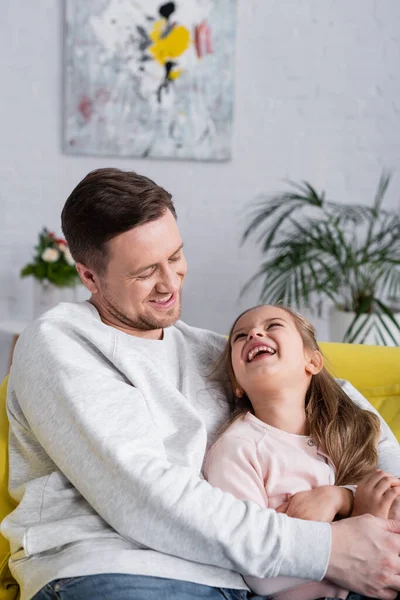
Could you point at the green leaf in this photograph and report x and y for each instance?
(353, 333)
(383, 324)
(28, 270)
(389, 313)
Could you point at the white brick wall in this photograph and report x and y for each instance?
(317, 97)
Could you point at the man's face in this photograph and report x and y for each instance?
(141, 288)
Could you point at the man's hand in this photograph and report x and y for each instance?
(375, 494)
(320, 504)
(365, 556)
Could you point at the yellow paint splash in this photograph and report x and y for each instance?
(171, 46)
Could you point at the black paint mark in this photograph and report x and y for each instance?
(144, 45)
(204, 135)
(167, 9)
(143, 33)
(169, 65)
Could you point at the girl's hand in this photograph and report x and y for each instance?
(376, 494)
(320, 504)
(394, 510)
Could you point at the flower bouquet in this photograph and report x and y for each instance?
(52, 262)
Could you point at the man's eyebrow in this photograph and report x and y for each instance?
(264, 322)
(178, 250)
(147, 267)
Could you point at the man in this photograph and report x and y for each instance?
(110, 417)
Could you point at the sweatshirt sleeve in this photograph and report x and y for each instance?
(233, 466)
(83, 411)
(388, 446)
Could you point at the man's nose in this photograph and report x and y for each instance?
(169, 280)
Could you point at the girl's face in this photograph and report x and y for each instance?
(267, 351)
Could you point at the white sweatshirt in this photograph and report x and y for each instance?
(108, 434)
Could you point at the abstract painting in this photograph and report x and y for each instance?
(146, 78)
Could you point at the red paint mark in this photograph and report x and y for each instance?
(85, 107)
(202, 39)
(103, 95)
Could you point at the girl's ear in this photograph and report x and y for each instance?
(314, 362)
(237, 390)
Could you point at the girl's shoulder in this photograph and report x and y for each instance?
(243, 429)
(236, 445)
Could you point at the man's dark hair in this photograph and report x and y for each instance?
(104, 204)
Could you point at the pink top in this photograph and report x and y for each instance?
(255, 461)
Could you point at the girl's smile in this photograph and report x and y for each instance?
(257, 351)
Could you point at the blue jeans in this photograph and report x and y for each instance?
(353, 596)
(132, 587)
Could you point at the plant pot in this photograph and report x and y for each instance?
(47, 295)
(340, 321)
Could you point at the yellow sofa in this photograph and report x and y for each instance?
(8, 588)
(374, 370)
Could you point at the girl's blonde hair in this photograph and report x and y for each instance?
(347, 433)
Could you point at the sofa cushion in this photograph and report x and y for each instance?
(386, 400)
(374, 371)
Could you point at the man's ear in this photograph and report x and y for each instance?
(88, 278)
(314, 362)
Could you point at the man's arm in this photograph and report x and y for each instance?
(97, 428)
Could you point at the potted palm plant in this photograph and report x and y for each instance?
(315, 250)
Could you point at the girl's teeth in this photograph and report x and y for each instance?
(256, 351)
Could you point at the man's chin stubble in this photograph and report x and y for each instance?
(146, 322)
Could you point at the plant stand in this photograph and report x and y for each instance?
(340, 321)
(47, 295)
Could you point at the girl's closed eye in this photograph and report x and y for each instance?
(238, 336)
(274, 325)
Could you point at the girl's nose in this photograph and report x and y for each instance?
(255, 332)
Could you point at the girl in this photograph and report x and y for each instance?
(294, 429)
